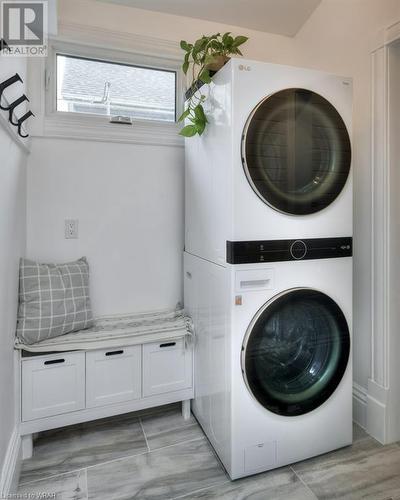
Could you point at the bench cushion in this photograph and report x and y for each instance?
(53, 300)
(119, 331)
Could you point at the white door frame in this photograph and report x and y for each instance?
(383, 396)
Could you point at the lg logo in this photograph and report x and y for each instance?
(24, 26)
(244, 68)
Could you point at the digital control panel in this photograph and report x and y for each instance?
(249, 252)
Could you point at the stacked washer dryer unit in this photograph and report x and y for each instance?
(268, 266)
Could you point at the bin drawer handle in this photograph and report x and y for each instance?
(114, 353)
(54, 361)
(168, 344)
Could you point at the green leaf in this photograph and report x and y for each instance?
(199, 113)
(200, 119)
(229, 41)
(225, 36)
(199, 44)
(188, 131)
(184, 115)
(239, 40)
(217, 46)
(184, 45)
(185, 65)
(200, 126)
(205, 76)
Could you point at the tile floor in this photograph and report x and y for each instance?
(155, 454)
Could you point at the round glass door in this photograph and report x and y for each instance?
(296, 152)
(295, 352)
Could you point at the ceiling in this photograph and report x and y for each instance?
(283, 17)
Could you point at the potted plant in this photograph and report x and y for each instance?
(206, 55)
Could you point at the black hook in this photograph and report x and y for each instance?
(21, 121)
(10, 108)
(5, 84)
(13, 105)
(3, 44)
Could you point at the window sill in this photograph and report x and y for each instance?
(92, 128)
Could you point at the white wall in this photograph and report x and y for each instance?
(169, 27)
(128, 199)
(338, 38)
(12, 247)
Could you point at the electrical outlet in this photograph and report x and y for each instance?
(71, 228)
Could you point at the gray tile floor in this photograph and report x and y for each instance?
(158, 455)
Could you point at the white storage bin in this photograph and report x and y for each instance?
(53, 384)
(167, 367)
(113, 376)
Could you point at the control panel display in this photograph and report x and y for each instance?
(249, 252)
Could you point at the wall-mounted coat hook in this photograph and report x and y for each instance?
(3, 44)
(5, 84)
(21, 121)
(13, 105)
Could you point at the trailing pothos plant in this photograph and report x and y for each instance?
(207, 54)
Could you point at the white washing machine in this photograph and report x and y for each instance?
(273, 366)
(274, 161)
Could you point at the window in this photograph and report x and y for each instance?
(86, 84)
(108, 88)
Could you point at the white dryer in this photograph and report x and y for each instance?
(273, 366)
(274, 161)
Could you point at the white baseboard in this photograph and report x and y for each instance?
(11, 467)
(383, 413)
(360, 405)
(377, 412)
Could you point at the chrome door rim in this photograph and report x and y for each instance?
(249, 330)
(244, 156)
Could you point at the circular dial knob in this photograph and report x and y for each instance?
(298, 249)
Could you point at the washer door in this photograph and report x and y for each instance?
(296, 152)
(295, 352)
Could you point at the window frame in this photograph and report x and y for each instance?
(92, 126)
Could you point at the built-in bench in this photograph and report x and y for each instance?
(122, 364)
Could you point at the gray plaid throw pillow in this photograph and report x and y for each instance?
(53, 300)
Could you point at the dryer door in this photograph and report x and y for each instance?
(295, 352)
(296, 152)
